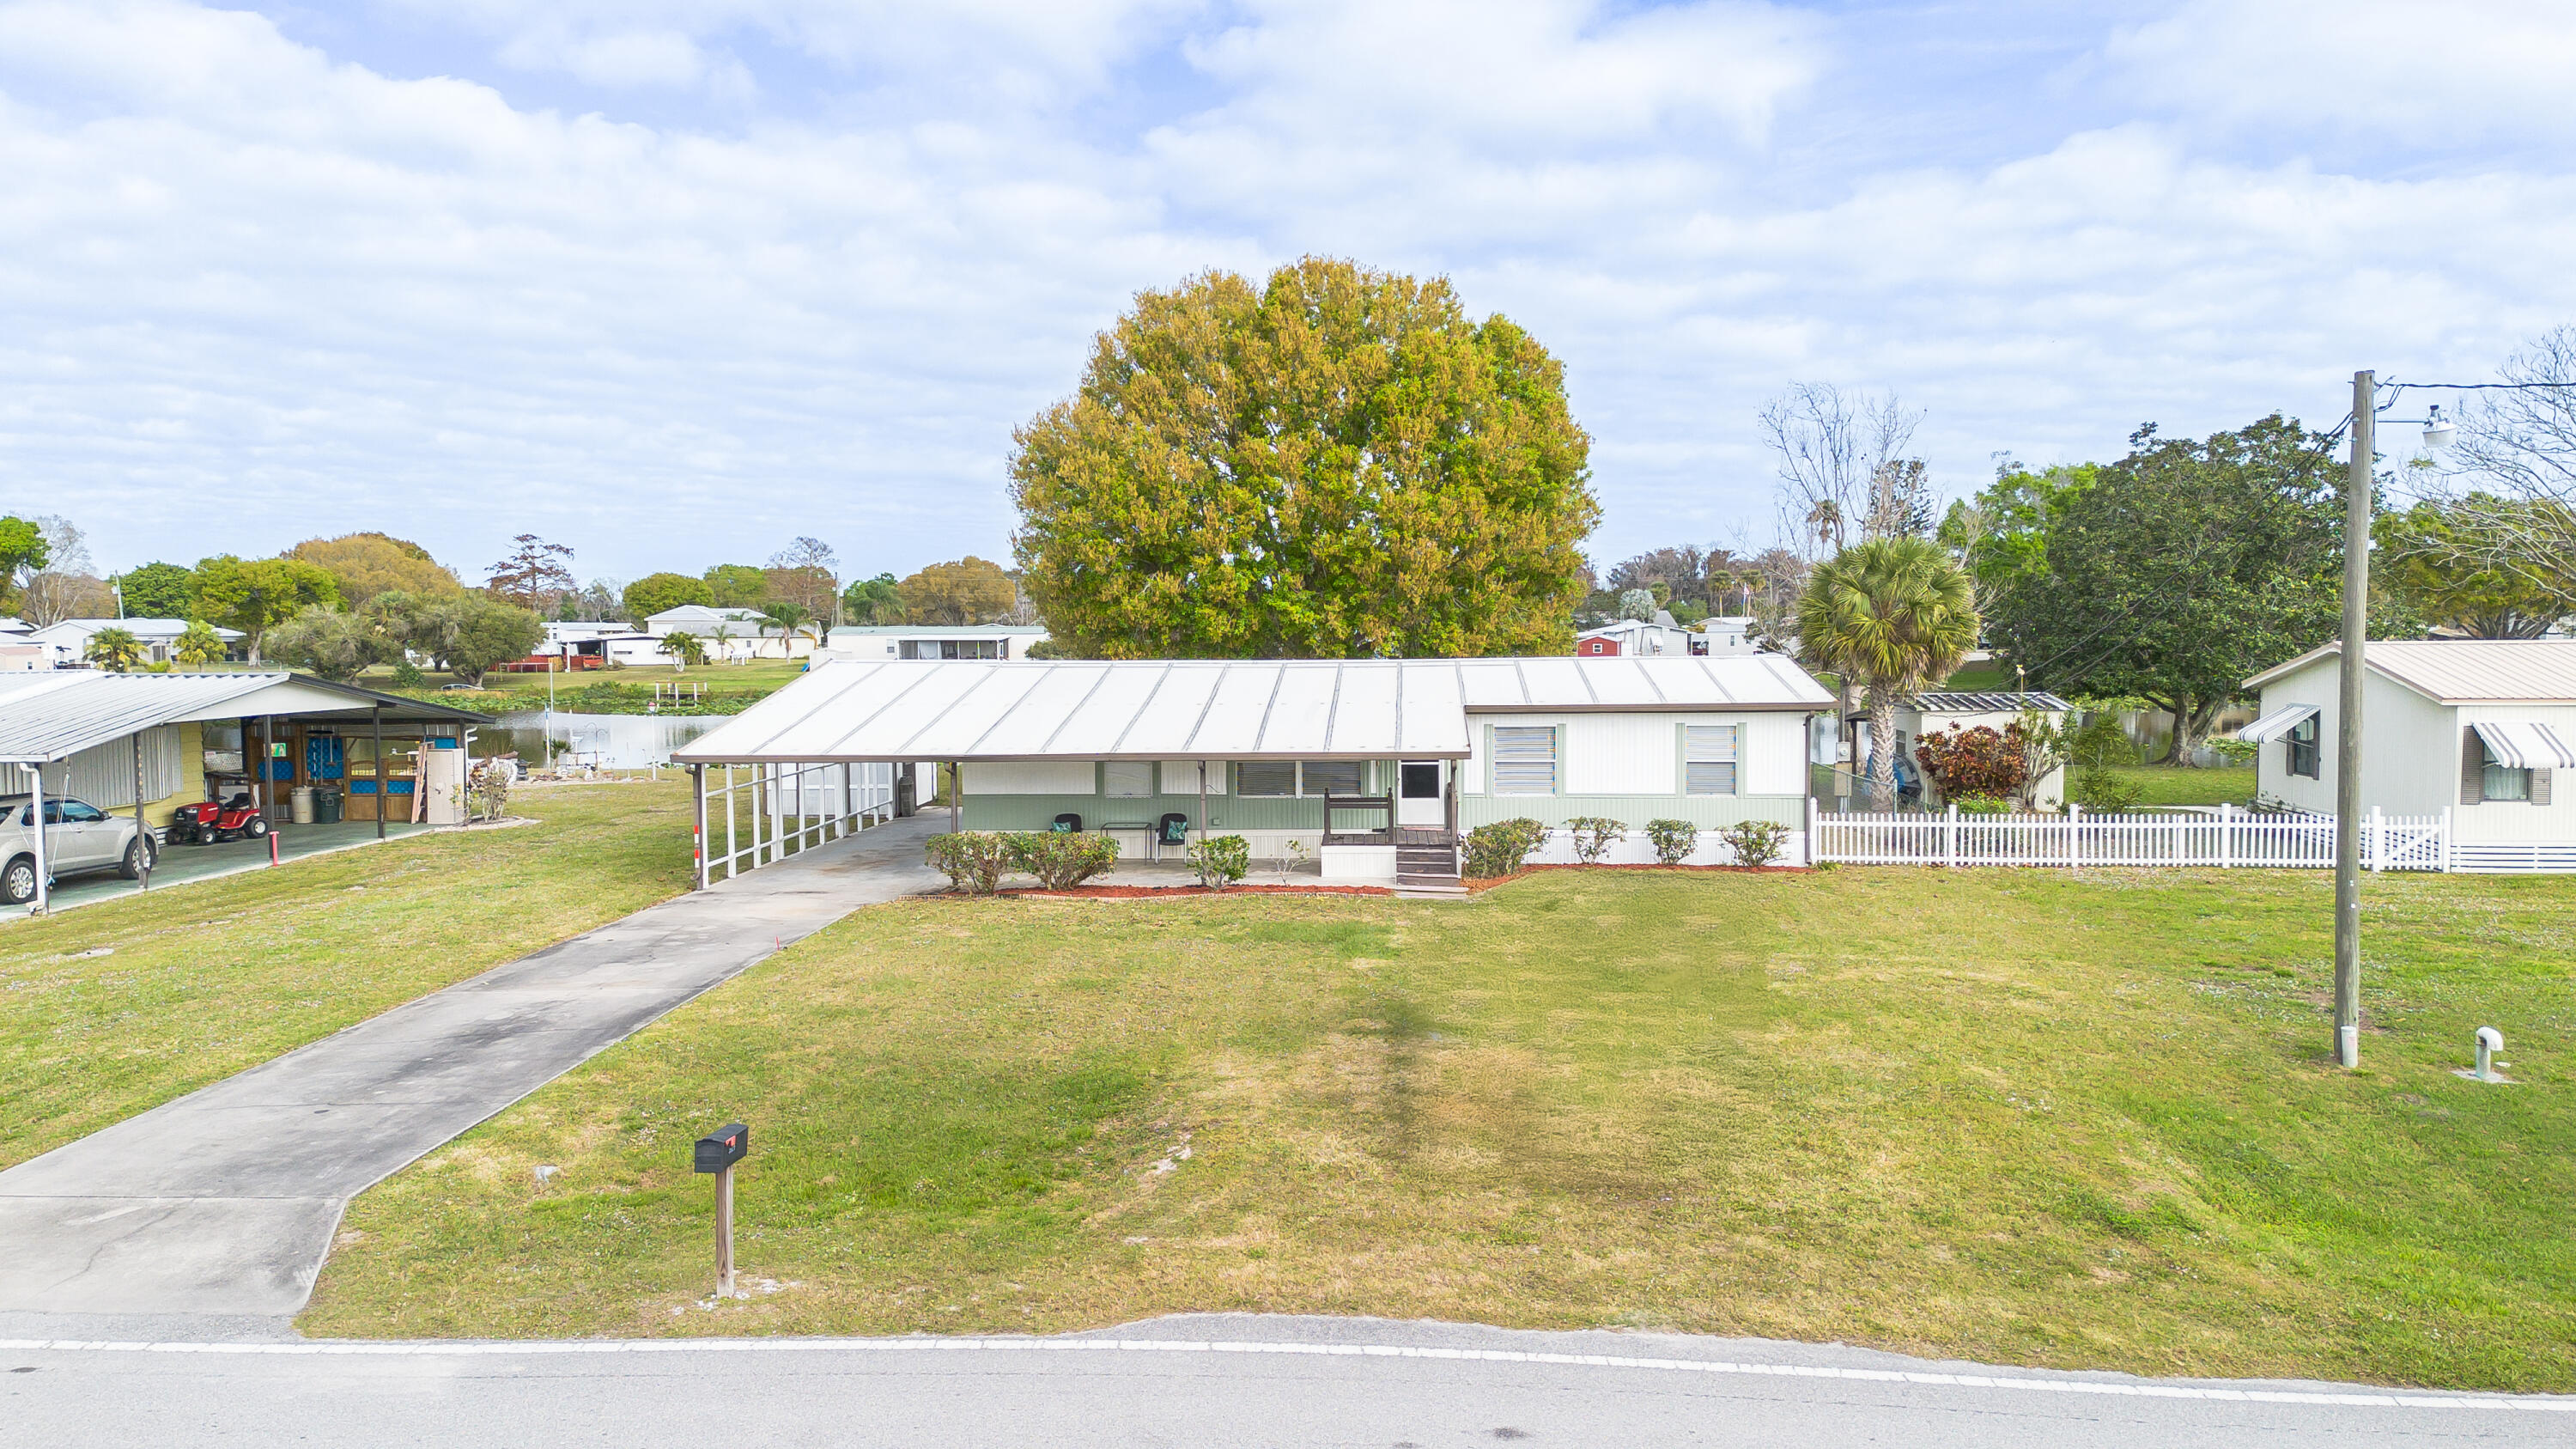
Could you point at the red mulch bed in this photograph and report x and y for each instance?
(1141, 893)
(1486, 883)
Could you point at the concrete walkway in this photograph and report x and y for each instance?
(225, 1201)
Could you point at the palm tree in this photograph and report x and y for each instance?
(115, 649)
(199, 644)
(1896, 614)
(684, 648)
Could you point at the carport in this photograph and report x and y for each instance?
(117, 740)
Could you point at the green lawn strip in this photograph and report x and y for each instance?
(207, 979)
(2173, 785)
(2026, 1117)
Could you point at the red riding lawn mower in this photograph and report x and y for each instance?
(206, 822)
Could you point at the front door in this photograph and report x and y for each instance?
(1417, 795)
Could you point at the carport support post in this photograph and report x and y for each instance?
(376, 723)
(698, 839)
(36, 812)
(146, 858)
(956, 797)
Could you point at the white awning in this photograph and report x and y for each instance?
(2278, 723)
(2525, 745)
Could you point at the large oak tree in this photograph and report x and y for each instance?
(1340, 463)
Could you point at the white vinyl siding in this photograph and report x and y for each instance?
(1127, 779)
(1525, 760)
(1709, 759)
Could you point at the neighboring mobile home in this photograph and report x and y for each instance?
(1349, 758)
(937, 641)
(2475, 727)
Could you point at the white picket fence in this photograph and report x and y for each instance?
(2228, 839)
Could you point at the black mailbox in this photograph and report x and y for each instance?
(724, 1147)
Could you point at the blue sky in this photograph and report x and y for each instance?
(674, 281)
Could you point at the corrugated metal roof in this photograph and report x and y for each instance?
(51, 714)
(2462, 671)
(974, 709)
(1954, 701)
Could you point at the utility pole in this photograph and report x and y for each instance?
(2356, 610)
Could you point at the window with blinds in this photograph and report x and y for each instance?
(1708, 759)
(1524, 759)
(1331, 777)
(1127, 779)
(1266, 777)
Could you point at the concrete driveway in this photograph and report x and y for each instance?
(224, 1201)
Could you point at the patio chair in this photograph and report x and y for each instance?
(1067, 823)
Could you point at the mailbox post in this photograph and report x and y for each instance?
(717, 1153)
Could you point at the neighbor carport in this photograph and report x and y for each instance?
(116, 740)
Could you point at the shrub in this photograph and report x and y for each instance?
(2105, 793)
(1063, 859)
(1979, 761)
(1983, 805)
(2234, 751)
(1222, 861)
(973, 860)
(1757, 843)
(1674, 839)
(1594, 835)
(407, 675)
(1502, 847)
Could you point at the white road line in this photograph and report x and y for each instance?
(2122, 1389)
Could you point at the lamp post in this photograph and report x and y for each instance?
(2358, 482)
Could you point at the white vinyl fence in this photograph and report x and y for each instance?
(2227, 839)
(755, 815)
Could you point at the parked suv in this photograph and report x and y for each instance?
(79, 838)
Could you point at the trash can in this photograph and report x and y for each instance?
(327, 805)
(299, 802)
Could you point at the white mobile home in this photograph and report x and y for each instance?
(1354, 759)
(2476, 728)
(936, 641)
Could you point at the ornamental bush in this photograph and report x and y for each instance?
(1594, 835)
(1502, 847)
(1757, 843)
(1063, 859)
(1980, 761)
(1983, 805)
(973, 860)
(1674, 839)
(1222, 861)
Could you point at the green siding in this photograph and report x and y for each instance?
(1708, 812)
(1225, 812)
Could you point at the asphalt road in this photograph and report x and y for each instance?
(1196, 1381)
(225, 1200)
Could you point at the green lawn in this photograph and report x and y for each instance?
(729, 688)
(207, 979)
(2171, 785)
(2016, 1116)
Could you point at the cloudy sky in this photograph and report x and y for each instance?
(673, 281)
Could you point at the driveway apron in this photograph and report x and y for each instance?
(225, 1200)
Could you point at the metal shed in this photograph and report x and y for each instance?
(71, 725)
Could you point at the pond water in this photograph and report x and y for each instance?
(611, 741)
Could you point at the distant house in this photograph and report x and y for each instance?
(2474, 728)
(730, 635)
(69, 640)
(1658, 637)
(1727, 635)
(936, 641)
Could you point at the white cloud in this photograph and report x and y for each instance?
(248, 294)
(2464, 70)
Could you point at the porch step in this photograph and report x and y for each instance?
(1429, 888)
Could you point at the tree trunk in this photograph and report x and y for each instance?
(2189, 736)
(2180, 708)
(1882, 749)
